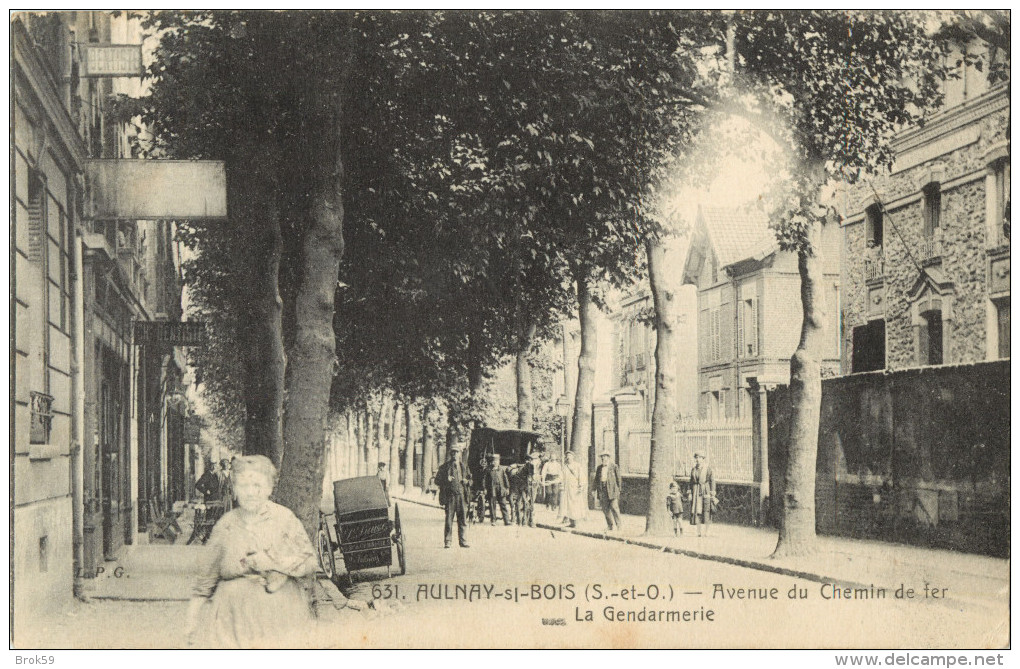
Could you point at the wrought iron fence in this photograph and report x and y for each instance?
(725, 443)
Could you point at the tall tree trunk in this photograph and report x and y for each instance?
(580, 437)
(364, 433)
(525, 403)
(661, 465)
(359, 439)
(350, 452)
(428, 446)
(408, 446)
(464, 422)
(394, 455)
(254, 201)
(314, 350)
(376, 431)
(797, 526)
(475, 369)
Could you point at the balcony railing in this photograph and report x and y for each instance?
(42, 417)
(929, 248)
(874, 269)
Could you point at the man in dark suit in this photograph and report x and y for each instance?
(497, 488)
(208, 484)
(450, 480)
(607, 485)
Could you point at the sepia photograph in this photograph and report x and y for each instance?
(511, 329)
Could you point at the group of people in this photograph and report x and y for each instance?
(214, 484)
(570, 505)
(563, 489)
(508, 492)
(701, 498)
(217, 498)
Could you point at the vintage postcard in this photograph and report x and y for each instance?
(511, 329)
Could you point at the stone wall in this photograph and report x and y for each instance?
(919, 456)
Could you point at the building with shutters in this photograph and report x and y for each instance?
(749, 309)
(48, 156)
(98, 423)
(926, 247)
(633, 353)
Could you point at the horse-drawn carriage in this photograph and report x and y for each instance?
(360, 529)
(517, 451)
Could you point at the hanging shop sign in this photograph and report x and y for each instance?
(149, 190)
(188, 333)
(112, 60)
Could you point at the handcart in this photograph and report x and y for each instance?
(360, 529)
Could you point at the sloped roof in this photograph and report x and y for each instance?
(737, 234)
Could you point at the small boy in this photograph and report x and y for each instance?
(675, 504)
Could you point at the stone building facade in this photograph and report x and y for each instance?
(926, 247)
(90, 408)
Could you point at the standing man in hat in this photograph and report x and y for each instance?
(702, 493)
(383, 472)
(208, 484)
(497, 487)
(450, 480)
(607, 484)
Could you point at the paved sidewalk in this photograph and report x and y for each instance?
(163, 572)
(970, 580)
(157, 571)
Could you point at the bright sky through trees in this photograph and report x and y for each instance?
(742, 165)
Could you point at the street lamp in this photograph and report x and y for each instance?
(563, 411)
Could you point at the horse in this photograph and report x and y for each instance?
(523, 487)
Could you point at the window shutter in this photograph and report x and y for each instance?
(752, 336)
(718, 334)
(36, 218)
(741, 326)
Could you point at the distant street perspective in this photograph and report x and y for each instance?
(563, 589)
(510, 329)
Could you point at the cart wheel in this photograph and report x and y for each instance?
(325, 549)
(398, 540)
